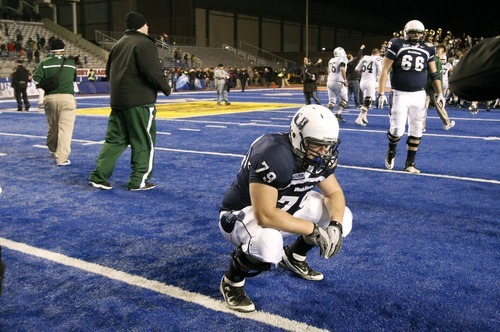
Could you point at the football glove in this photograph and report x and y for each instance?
(440, 100)
(321, 239)
(381, 100)
(334, 231)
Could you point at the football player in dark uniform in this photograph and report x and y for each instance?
(273, 197)
(410, 58)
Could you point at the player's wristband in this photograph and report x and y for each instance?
(336, 223)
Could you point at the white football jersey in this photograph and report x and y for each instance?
(334, 73)
(370, 67)
(445, 69)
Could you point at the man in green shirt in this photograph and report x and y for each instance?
(59, 104)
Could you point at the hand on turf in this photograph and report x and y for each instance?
(321, 239)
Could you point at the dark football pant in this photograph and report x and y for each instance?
(21, 96)
(136, 127)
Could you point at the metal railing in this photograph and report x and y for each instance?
(266, 57)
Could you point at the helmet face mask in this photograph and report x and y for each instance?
(414, 32)
(319, 155)
(314, 135)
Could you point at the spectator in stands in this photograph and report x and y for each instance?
(4, 52)
(29, 55)
(11, 48)
(175, 75)
(19, 36)
(201, 76)
(77, 61)
(192, 59)
(283, 78)
(20, 79)
(18, 49)
(256, 78)
(250, 76)
(36, 54)
(266, 77)
(30, 43)
(192, 78)
(135, 79)
(243, 77)
(210, 75)
(41, 43)
(91, 76)
(177, 57)
(59, 103)
(164, 38)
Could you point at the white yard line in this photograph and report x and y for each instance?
(156, 286)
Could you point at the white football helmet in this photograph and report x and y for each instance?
(414, 26)
(339, 52)
(315, 125)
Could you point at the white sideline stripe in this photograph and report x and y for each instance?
(212, 126)
(156, 286)
(443, 176)
(486, 138)
(202, 152)
(189, 129)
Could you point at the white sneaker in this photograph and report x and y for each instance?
(389, 160)
(65, 163)
(473, 109)
(236, 298)
(410, 168)
(449, 126)
(365, 118)
(359, 121)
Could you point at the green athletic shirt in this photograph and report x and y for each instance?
(48, 68)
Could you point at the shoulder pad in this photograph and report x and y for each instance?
(429, 44)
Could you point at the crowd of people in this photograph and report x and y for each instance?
(241, 78)
(14, 46)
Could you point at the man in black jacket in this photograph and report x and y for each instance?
(20, 78)
(135, 78)
(311, 76)
(353, 78)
